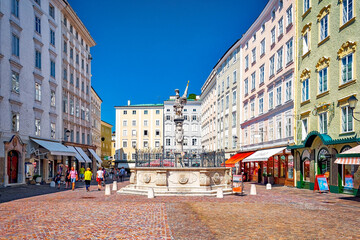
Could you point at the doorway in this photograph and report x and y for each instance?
(12, 166)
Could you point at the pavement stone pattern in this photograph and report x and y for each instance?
(280, 213)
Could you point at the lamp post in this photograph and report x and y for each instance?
(352, 105)
(67, 134)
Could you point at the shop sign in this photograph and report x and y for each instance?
(321, 183)
(238, 184)
(282, 157)
(349, 182)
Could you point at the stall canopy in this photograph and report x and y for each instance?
(77, 156)
(95, 156)
(237, 158)
(55, 148)
(263, 155)
(83, 154)
(351, 156)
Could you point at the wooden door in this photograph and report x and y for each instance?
(12, 166)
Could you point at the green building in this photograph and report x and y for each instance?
(328, 33)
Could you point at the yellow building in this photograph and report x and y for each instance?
(105, 140)
(137, 127)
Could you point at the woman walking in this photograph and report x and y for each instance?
(88, 175)
(99, 177)
(73, 176)
(67, 177)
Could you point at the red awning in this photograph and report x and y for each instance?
(237, 158)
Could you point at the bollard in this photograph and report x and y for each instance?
(220, 193)
(114, 188)
(107, 189)
(151, 193)
(268, 186)
(253, 189)
(52, 184)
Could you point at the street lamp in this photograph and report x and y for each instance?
(67, 134)
(352, 105)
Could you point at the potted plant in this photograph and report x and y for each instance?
(270, 179)
(37, 179)
(264, 178)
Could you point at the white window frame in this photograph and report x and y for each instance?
(345, 68)
(262, 47)
(280, 59)
(289, 16)
(305, 91)
(38, 92)
(272, 66)
(323, 123)
(289, 51)
(347, 122)
(323, 80)
(347, 12)
(262, 74)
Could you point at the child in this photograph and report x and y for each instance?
(58, 179)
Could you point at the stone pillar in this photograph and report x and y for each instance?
(161, 178)
(133, 176)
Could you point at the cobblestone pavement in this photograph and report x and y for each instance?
(280, 213)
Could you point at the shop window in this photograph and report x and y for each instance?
(290, 169)
(276, 166)
(306, 170)
(324, 161)
(282, 167)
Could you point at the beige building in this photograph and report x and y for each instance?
(96, 120)
(105, 140)
(137, 126)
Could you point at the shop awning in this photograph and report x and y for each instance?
(95, 156)
(83, 154)
(55, 148)
(351, 156)
(77, 156)
(237, 158)
(263, 155)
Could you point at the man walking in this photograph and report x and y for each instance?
(122, 174)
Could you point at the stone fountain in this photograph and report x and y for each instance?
(179, 179)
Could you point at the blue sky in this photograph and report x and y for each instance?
(147, 48)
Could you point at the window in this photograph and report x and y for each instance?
(278, 96)
(87, 89)
(346, 119)
(281, 3)
(194, 142)
(65, 47)
(15, 8)
(15, 122)
(289, 51)
(289, 15)
(261, 105)
(38, 2)
(71, 28)
(52, 99)
(305, 43)
(273, 35)
(273, 14)
(77, 109)
(157, 132)
(52, 68)
(77, 82)
(82, 86)
(253, 55)
(288, 127)
(71, 78)
(346, 68)
(38, 24)
(52, 37)
(305, 90)
(323, 80)
(280, 59)
(37, 59)
(15, 46)
(37, 92)
(234, 98)
(71, 106)
(168, 142)
(272, 66)
(323, 122)
(124, 133)
(227, 82)
(254, 37)
(146, 123)
(168, 118)
(145, 132)
(271, 100)
(279, 130)
(52, 130)
(133, 133)
(71, 53)
(52, 11)
(347, 10)
(134, 112)
(234, 77)
(193, 117)
(324, 27)
(222, 86)
(77, 59)
(133, 123)
(124, 144)
(263, 27)
(247, 62)
(65, 104)
(65, 74)
(306, 5)
(271, 130)
(82, 63)
(15, 82)
(281, 27)
(125, 123)
(233, 119)
(245, 112)
(261, 74)
(87, 68)
(304, 130)
(246, 86)
(288, 90)
(37, 127)
(125, 112)
(133, 144)
(157, 112)
(83, 138)
(262, 47)
(157, 144)
(253, 76)
(252, 108)
(227, 102)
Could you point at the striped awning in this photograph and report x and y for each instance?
(348, 160)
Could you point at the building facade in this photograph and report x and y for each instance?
(96, 121)
(208, 113)
(137, 127)
(326, 79)
(106, 140)
(191, 126)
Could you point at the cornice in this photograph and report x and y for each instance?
(346, 48)
(305, 74)
(306, 28)
(322, 63)
(323, 12)
(15, 102)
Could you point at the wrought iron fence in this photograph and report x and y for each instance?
(147, 158)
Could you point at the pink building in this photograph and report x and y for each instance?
(267, 75)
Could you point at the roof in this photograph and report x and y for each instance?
(142, 105)
(96, 93)
(237, 158)
(103, 122)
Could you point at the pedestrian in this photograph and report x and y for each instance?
(57, 179)
(117, 174)
(122, 174)
(88, 175)
(67, 177)
(81, 172)
(104, 174)
(99, 177)
(73, 177)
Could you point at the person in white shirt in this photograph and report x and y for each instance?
(99, 177)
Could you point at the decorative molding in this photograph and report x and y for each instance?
(343, 100)
(306, 28)
(15, 64)
(346, 48)
(323, 62)
(52, 53)
(15, 25)
(323, 12)
(305, 74)
(52, 23)
(52, 114)
(38, 76)
(53, 84)
(38, 110)
(15, 102)
(305, 114)
(38, 42)
(38, 10)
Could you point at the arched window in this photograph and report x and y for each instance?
(324, 161)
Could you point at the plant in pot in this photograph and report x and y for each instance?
(271, 179)
(265, 178)
(37, 179)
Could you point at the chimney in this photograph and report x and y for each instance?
(128, 102)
